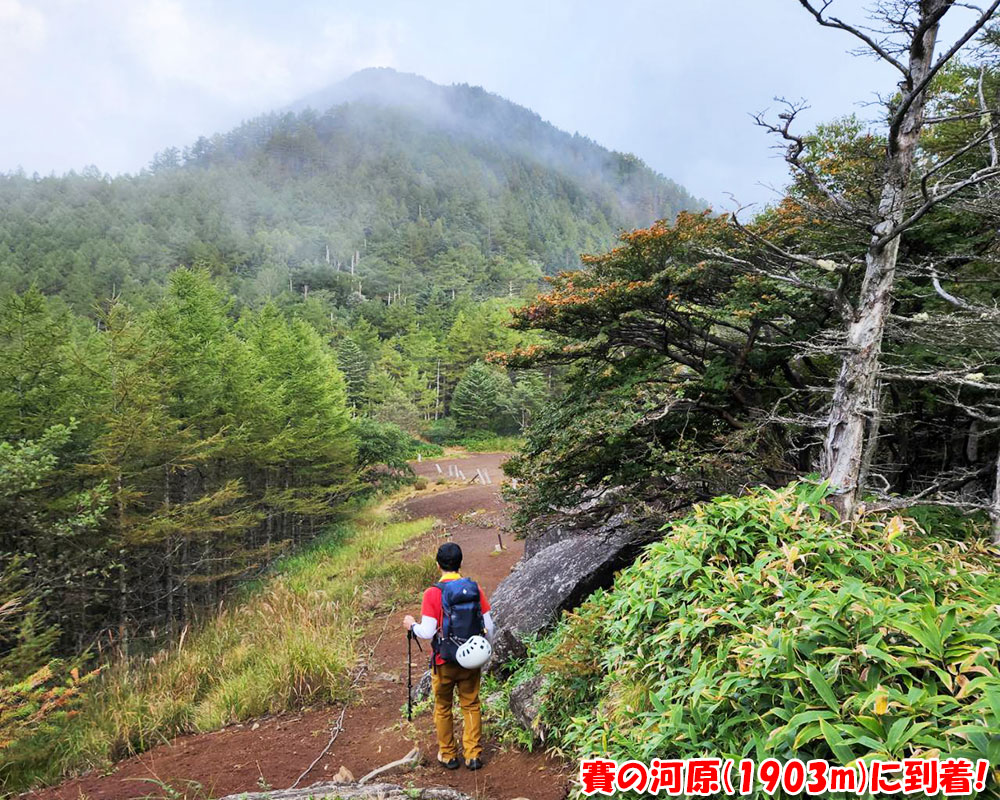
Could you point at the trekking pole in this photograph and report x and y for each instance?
(409, 676)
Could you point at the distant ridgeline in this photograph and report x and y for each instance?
(394, 186)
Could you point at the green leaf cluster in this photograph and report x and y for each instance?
(760, 626)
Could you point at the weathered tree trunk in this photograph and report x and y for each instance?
(852, 414)
(269, 520)
(188, 490)
(123, 594)
(437, 390)
(169, 577)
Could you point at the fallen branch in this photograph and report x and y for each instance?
(352, 791)
(333, 737)
(410, 758)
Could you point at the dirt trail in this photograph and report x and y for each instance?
(274, 751)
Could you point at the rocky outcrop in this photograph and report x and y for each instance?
(566, 559)
(352, 791)
(422, 688)
(525, 704)
(594, 515)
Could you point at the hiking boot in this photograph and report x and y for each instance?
(453, 764)
(474, 764)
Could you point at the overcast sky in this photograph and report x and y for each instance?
(110, 82)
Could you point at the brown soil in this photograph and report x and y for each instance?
(273, 752)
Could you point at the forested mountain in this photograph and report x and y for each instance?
(200, 364)
(393, 185)
(474, 113)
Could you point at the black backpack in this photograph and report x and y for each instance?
(461, 617)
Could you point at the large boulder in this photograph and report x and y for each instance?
(595, 514)
(352, 791)
(564, 562)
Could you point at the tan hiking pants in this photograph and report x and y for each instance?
(445, 678)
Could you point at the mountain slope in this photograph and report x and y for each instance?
(421, 186)
(482, 115)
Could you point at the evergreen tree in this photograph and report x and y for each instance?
(531, 392)
(51, 546)
(39, 382)
(482, 400)
(352, 362)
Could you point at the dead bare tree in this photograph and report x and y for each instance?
(905, 35)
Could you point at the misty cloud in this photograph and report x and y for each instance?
(110, 82)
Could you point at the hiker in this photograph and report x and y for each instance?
(455, 615)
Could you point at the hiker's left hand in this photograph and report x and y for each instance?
(408, 622)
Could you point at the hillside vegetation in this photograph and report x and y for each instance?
(763, 627)
(369, 198)
(290, 641)
(206, 366)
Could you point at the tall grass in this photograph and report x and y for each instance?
(290, 641)
(489, 443)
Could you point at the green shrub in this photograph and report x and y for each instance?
(382, 444)
(384, 450)
(441, 431)
(420, 484)
(761, 627)
(489, 443)
(426, 449)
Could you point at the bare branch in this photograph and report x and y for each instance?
(983, 311)
(796, 147)
(943, 377)
(980, 176)
(983, 136)
(957, 117)
(834, 22)
(984, 108)
(959, 43)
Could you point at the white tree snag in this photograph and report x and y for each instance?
(854, 395)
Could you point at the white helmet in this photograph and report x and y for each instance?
(474, 653)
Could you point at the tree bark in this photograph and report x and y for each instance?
(852, 414)
(168, 545)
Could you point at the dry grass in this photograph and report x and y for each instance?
(291, 642)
